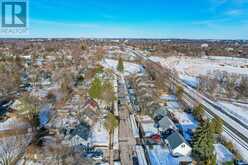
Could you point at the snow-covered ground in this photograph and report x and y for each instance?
(168, 97)
(156, 59)
(173, 105)
(129, 68)
(13, 123)
(189, 68)
(190, 80)
(186, 120)
(100, 136)
(171, 101)
(239, 111)
(222, 154)
(243, 151)
(141, 155)
(187, 123)
(160, 156)
(195, 66)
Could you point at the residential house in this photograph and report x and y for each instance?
(177, 145)
(165, 124)
(147, 126)
(77, 140)
(90, 111)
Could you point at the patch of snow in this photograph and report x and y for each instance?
(173, 105)
(184, 118)
(156, 59)
(243, 151)
(236, 110)
(159, 155)
(187, 123)
(13, 123)
(129, 68)
(222, 153)
(190, 80)
(141, 155)
(100, 136)
(195, 66)
(168, 97)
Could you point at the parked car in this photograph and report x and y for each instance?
(240, 162)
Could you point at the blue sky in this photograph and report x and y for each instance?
(210, 19)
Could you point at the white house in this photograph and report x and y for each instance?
(177, 145)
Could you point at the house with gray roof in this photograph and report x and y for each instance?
(165, 123)
(177, 145)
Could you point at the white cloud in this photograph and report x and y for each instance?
(234, 12)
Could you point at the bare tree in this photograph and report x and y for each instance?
(11, 148)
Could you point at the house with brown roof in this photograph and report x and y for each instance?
(90, 111)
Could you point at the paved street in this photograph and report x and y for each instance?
(126, 139)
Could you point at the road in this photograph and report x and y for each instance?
(126, 140)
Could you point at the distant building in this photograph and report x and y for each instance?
(177, 145)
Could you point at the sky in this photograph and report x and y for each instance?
(192, 19)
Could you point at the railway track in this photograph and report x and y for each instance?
(229, 129)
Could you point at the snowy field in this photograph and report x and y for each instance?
(129, 68)
(193, 66)
(189, 68)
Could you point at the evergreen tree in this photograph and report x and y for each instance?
(211, 161)
(95, 90)
(203, 141)
(110, 123)
(217, 124)
(120, 66)
(198, 112)
(179, 92)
